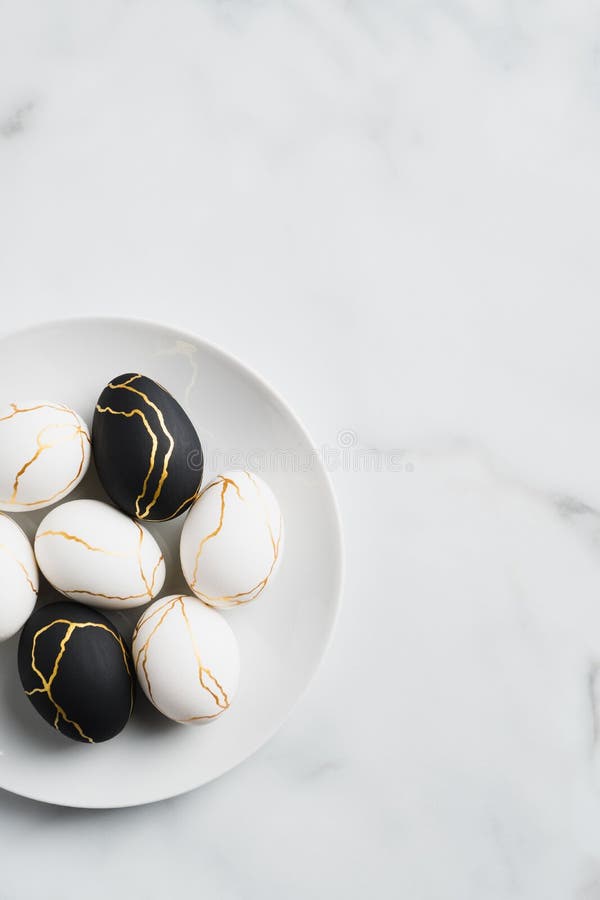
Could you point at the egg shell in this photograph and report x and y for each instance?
(44, 454)
(147, 452)
(92, 553)
(18, 577)
(232, 540)
(77, 672)
(187, 659)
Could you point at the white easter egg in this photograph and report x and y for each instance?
(18, 578)
(232, 540)
(44, 454)
(187, 659)
(93, 553)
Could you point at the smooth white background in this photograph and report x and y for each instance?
(389, 209)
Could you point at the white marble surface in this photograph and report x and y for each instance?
(390, 210)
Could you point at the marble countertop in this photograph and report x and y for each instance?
(390, 211)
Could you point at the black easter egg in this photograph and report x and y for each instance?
(77, 672)
(148, 455)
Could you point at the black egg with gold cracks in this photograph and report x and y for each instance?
(76, 670)
(147, 452)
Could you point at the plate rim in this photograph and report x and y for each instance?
(248, 370)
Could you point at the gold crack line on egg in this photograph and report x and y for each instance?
(168, 607)
(211, 534)
(78, 540)
(47, 683)
(220, 479)
(82, 433)
(165, 609)
(139, 558)
(77, 431)
(148, 585)
(64, 489)
(253, 592)
(263, 503)
(100, 625)
(233, 599)
(198, 718)
(16, 411)
(201, 668)
(155, 573)
(41, 446)
(274, 543)
(10, 553)
(73, 537)
(69, 591)
(191, 499)
(146, 616)
(164, 475)
(153, 439)
(225, 482)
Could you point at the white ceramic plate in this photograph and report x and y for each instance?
(283, 635)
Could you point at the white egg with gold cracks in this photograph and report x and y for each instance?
(187, 659)
(18, 578)
(232, 540)
(91, 552)
(44, 454)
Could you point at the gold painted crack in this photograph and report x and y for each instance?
(74, 537)
(70, 591)
(225, 483)
(16, 411)
(42, 446)
(217, 692)
(253, 592)
(21, 565)
(46, 686)
(149, 586)
(127, 386)
(153, 439)
(191, 499)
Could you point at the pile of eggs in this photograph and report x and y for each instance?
(76, 668)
